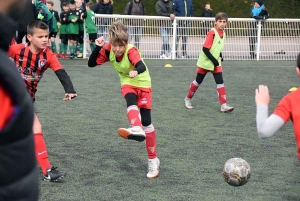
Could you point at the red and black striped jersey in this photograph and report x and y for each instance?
(31, 66)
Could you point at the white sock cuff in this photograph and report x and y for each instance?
(220, 85)
(148, 129)
(132, 107)
(195, 83)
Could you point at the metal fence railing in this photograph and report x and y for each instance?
(246, 38)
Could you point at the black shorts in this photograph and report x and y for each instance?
(53, 34)
(93, 37)
(72, 36)
(81, 33)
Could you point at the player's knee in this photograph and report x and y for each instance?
(131, 99)
(37, 128)
(218, 78)
(199, 78)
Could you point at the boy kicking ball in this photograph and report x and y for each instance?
(135, 87)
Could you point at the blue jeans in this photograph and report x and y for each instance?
(165, 34)
(102, 31)
(136, 33)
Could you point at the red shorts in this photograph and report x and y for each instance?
(144, 96)
(217, 69)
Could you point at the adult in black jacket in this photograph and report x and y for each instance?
(207, 12)
(25, 18)
(103, 7)
(18, 172)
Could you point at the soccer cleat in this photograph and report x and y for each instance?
(134, 133)
(80, 55)
(53, 175)
(153, 167)
(163, 56)
(226, 108)
(66, 56)
(188, 103)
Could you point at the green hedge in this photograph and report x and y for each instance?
(234, 8)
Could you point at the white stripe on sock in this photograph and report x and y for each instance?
(148, 129)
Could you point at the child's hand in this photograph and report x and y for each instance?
(262, 95)
(64, 19)
(100, 41)
(69, 96)
(133, 73)
(74, 20)
(58, 24)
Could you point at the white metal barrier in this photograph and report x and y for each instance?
(246, 38)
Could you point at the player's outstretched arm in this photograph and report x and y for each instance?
(93, 57)
(65, 80)
(266, 125)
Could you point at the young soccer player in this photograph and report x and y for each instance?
(136, 88)
(73, 28)
(210, 61)
(90, 25)
(81, 29)
(32, 60)
(55, 25)
(63, 31)
(287, 109)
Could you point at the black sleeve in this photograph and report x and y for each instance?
(221, 56)
(140, 67)
(93, 57)
(65, 81)
(84, 15)
(210, 56)
(62, 17)
(56, 16)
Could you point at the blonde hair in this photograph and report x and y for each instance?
(118, 34)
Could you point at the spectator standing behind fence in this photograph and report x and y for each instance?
(103, 7)
(165, 8)
(258, 12)
(183, 8)
(135, 26)
(207, 12)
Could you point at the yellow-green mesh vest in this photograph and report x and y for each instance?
(124, 67)
(215, 50)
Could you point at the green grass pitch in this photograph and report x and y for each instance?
(193, 145)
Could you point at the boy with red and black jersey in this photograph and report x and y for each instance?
(32, 60)
(287, 109)
(210, 61)
(135, 87)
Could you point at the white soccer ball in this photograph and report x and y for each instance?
(236, 171)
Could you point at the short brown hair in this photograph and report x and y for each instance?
(221, 16)
(89, 4)
(50, 2)
(118, 33)
(36, 24)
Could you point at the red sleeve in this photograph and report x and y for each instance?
(102, 58)
(134, 56)
(54, 64)
(12, 51)
(6, 109)
(284, 109)
(209, 39)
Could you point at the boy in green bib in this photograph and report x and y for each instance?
(135, 87)
(210, 61)
(73, 28)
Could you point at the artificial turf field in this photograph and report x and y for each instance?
(193, 145)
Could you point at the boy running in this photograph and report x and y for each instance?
(136, 88)
(210, 61)
(32, 60)
(55, 25)
(287, 109)
(90, 25)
